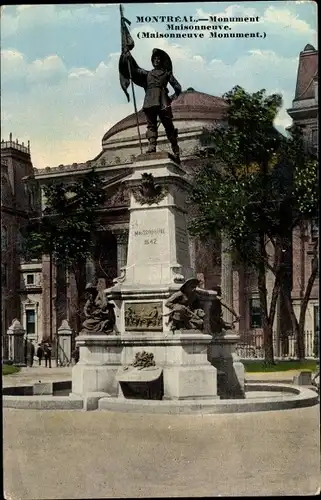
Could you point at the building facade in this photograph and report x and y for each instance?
(20, 285)
(46, 298)
(304, 112)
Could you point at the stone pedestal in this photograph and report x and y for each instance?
(64, 343)
(187, 374)
(222, 350)
(158, 245)
(16, 343)
(99, 360)
(230, 370)
(158, 263)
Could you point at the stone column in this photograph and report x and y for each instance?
(64, 343)
(16, 335)
(122, 244)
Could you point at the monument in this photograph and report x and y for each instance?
(158, 308)
(151, 334)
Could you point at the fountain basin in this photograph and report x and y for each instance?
(258, 397)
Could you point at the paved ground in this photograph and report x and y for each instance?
(66, 455)
(29, 375)
(108, 454)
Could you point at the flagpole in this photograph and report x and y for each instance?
(135, 107)
(131, 81)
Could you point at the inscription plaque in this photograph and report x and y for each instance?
(144, 316)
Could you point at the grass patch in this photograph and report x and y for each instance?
(280, 366)
(10, 369)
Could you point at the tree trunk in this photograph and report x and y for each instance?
(80, 277)
(294, 321)
(267, 326)
(50, 295)
(304, 305)
(298, 326)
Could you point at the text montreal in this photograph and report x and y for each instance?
(165, 19)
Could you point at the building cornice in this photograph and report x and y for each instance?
(303, 113)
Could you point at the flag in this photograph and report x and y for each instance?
(127, 44)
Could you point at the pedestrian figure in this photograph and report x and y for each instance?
(47, 353)
(75, 355)
(31, 353)
(40, 353)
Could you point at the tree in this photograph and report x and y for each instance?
(249, 185)
(66, 229)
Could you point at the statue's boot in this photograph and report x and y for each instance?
(151, 147)
(175, 146)
(152, 139)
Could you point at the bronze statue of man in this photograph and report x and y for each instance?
(185, 308)
(157, 103)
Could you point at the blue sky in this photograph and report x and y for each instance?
(59, 66)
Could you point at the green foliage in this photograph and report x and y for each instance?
(10, 369)
(280, 366)
(68, 222)
(252, 179)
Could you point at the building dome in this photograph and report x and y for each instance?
(190, 106)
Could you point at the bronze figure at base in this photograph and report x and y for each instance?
(216, 314)
(99, 312)
(186, 312)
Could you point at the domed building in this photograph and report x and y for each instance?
(192, 112)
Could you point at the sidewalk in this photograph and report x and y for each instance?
(30, 375)
(284, 376)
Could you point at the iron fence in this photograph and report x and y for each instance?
(251, 345)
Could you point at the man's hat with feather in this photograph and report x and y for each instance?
(166, 60)
(192, 282)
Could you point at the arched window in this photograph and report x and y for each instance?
(4, 238)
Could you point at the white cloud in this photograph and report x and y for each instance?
(46, 69)
(230, 11)
(286, 19)
(15, 68)
(29, 17)
(80, 73)
(274, 20)
(11, 55)
(12, 65)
